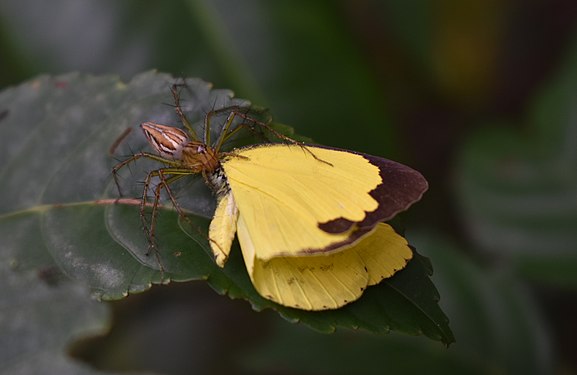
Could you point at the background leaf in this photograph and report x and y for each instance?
(41, 315)
(517, 186)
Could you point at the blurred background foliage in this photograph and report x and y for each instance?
(480, 96)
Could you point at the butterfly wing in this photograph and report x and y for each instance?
(308, 221)
(223, 228)
(326, 281)
(303, 200)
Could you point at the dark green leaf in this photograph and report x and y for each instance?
(60, 208)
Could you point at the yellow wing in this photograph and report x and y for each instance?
(223, 228)
(325, 281)
(284, 194)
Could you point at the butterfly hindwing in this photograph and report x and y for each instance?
(326, 281)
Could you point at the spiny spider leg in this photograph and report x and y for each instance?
(178, 109)
(118, 141)
(244, 113)
(173, 164)
(215, 112)
(139, 155)
(164, 183)
(227, 133)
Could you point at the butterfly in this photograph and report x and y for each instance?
(309, 218)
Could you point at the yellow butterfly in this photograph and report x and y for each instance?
(309, 219)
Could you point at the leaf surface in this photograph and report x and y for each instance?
(60, 207)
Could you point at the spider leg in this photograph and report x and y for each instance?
(178, 109)
(118, 141)
(248, 121)
(139, 155)
(164, 183)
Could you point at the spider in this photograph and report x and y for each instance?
(184, 153)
